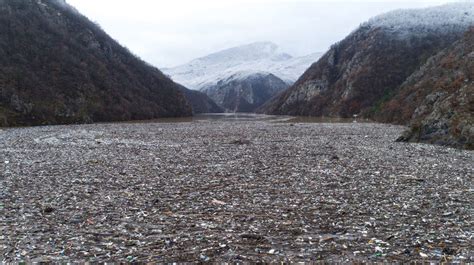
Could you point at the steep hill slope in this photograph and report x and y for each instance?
(200, 102)
(367, 68)
(439, 99)
(56, 66)
(245, 92)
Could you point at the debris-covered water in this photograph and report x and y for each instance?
(232, 190)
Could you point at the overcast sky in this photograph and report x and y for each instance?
(167, 33)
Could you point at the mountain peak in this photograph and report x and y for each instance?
(244, 53)
(250, 58)
(264, 46)
(261, 44)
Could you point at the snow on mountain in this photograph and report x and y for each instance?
(369, 66)
(240, 62)
(449, 17)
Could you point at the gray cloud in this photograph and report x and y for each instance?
(169, 33)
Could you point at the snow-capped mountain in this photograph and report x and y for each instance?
(242, 61)
(245, 92)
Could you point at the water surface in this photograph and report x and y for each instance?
(241, 117)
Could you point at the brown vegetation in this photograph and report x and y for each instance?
(439, 98)
(376, 75)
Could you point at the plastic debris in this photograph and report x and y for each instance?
(180, 192)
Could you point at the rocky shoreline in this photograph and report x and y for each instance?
(227, 191)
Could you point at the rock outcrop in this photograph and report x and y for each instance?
(439, 99)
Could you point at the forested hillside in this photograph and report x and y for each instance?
(57, 67)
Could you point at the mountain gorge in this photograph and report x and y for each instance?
(410, 67)
(242, 78)
(360, 74)
(58, 67)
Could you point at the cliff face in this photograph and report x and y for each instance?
(245, 93)
(57, 67)
(439, 99)
(367, 68)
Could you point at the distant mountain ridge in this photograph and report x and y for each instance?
(241, 79)
(260, 57)
(58, 67)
